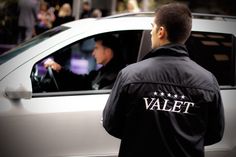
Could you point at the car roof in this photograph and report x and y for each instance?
(201, 22)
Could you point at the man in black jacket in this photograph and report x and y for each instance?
(106, 53)
(166, 105)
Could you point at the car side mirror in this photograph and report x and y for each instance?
(19, 92)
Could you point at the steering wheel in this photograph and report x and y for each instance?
(51, 75)
(44, 82)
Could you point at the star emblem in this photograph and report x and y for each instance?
(169, 95)
(162, 94)
(155, 93)
(176, 96)
(182, 97)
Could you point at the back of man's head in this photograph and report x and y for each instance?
(177, 20)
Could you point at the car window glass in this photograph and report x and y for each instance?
(213, 51)
(77, 58)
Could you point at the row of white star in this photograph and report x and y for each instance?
(169, 95)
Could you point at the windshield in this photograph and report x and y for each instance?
(28, 44)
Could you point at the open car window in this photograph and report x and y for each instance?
(78, 60)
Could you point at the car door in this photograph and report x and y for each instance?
(215, 52)
(60, 123)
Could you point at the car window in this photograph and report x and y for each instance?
(78, 60)
(213, 51)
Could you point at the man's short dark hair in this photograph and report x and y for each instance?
(108, 40)
(177, 19)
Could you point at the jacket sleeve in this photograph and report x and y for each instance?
(216, 120)
(113, 113)
(69, 81)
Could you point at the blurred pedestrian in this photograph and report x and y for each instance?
(165, 105)
(28, 10)
(64, 15)
(121, 7)
(86, 10)
(45, 18)
(132, 6)
(97, 13)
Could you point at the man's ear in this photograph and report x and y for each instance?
(108, 51)
(162, 32)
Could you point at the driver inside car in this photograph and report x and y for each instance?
(105, 53)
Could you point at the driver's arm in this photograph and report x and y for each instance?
(68, 80)
(54, 65)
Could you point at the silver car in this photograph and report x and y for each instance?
(38, 119)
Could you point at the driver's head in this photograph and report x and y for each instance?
(105, 48)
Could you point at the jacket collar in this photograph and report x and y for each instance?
(171, 49)
(112, 65)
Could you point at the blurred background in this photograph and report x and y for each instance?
(17, 25)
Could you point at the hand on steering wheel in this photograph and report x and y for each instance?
(54, 65)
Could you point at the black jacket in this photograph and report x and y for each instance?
(103, 78)
(166, 105)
